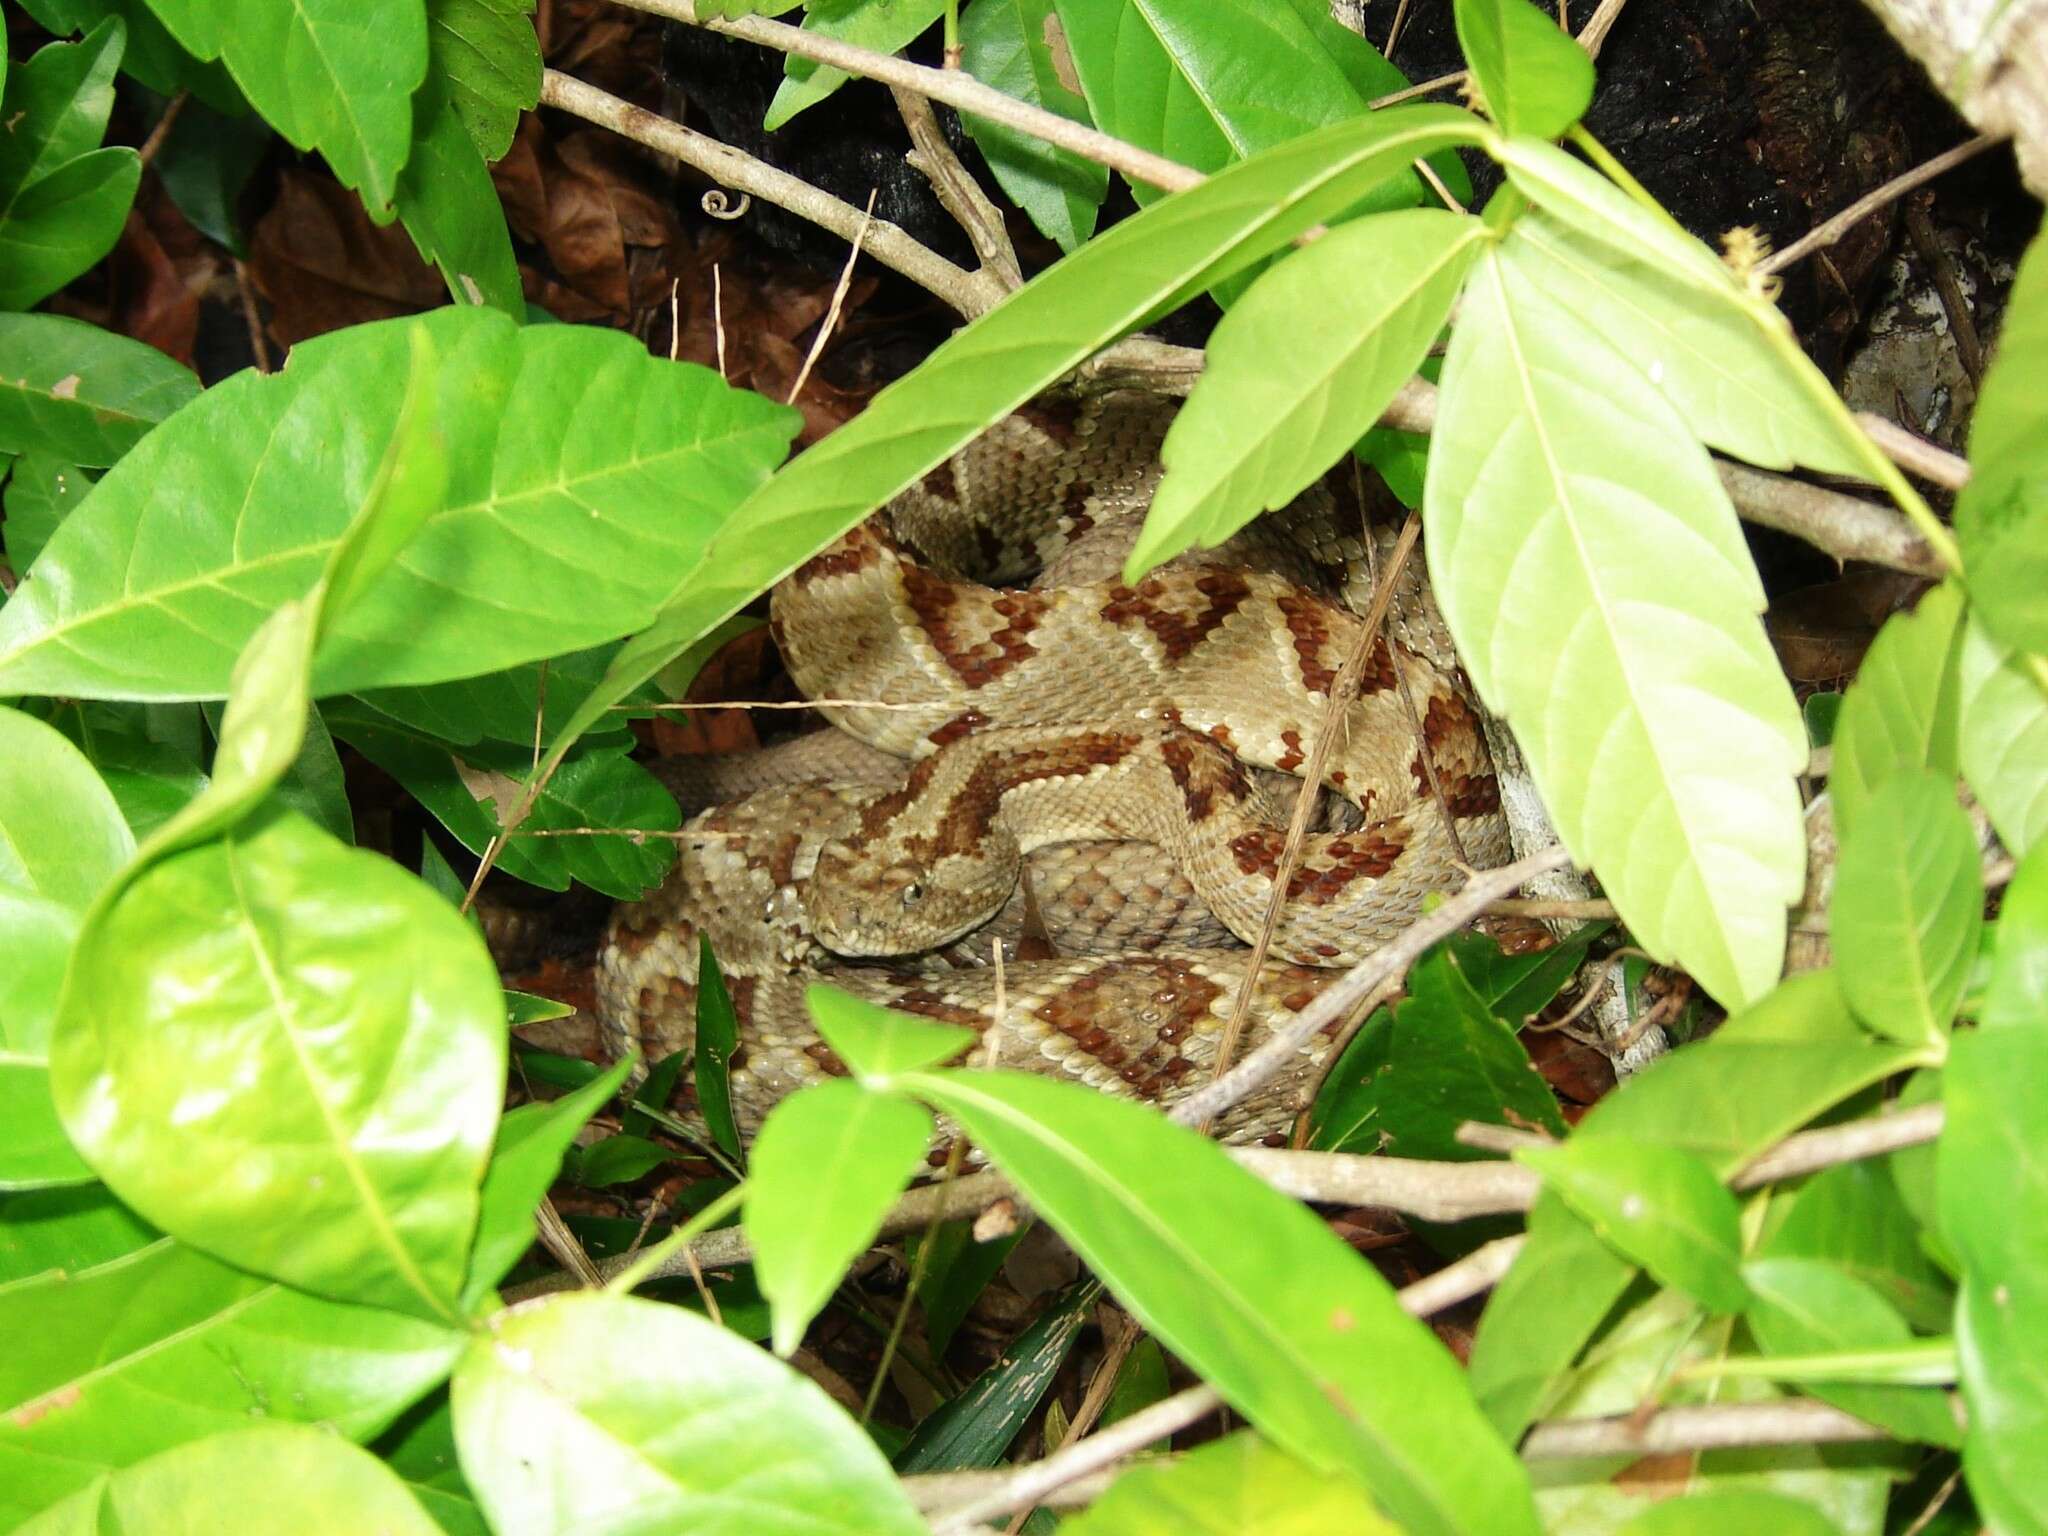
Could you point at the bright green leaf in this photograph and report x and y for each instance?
(109, 1365)
(1804, 1307)
(531, 1142)
(265, 1480)
(71, 1229)
(152, 55)
(331, 75)
(62, 199)
(36, 936)
(451, 209)
(1899, 716)
(489, 55)
(1278, 404)
(584, 476)
(878, 1042)
(609, 1416)
(41, 491)
(1017, 47)
(1659, 1206)
(292, 1054)
(80, 393)
(828, 1163)
(718, 1040)
(2002, 514)
(1719, 1514)
(882, 26)
(1237, 1486)
(1599, 589)
(1992, 1192)
(1715, 365)
(1254, 1292)
(421, 1449)
(62, 836)
(1533, 78)
(1853, 1218)
(2001, 736)
(1908, 908)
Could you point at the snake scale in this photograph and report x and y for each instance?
(1046, 728)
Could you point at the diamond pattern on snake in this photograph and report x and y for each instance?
(1093, 774)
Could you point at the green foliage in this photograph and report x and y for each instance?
(253, 1162)
(598, 1412)
(1008, 44)
(2002, 514)
(881, 25)
(1234, 1485)
(62, 198)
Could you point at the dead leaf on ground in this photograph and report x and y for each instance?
(151, 285)
(322, 264)
(585, 200)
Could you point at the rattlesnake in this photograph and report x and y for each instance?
(1010, 694)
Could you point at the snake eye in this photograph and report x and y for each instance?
(913, 893)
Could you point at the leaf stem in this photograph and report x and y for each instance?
(650, 1260)
(1618, 173)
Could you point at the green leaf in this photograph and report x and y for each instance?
(1447, 1058)
(1277, 404)
(1804, 1307)
(72, 1228)
(498, 706)
(975, 1428)
(2001, 735)
(1908, 909)
(489, 55)
(62, 836)
(1230, 1487)
(2002, 514)
(828, 1163)
(1017, 47)
(1992, 1194)
(331, 75)
(957, 1269)
(109, 1365)
(1145, 267)
(597, 788)
(267, 1480)
(1210, 84)
(592, 1413)
(41, 491)
(882, 26)
(206, 164)
(152, 55)
(1254, 1292)
(1853, 1218)
(62, 199)
(451, 209)
(1714, 364)
(1761, 1076)
(531, 1142)
(569, 450)
(292, 1054)
(718, 1039)
(619, 1160)
(1533, 78)
(1899, 716)
(1718, 1513)
(1658, 1206)
(1599, 589)
(421, 1450)
(79, 393)
(878, 1043)
(36, 935)
(151, 778)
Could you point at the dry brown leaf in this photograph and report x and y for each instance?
(322, 264)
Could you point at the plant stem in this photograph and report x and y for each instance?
(651, 1260)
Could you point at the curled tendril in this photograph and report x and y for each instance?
(719, 204)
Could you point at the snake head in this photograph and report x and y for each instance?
(863, 904)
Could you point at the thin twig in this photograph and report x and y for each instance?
(968, 292)
(259, 349)
(162, 130)
(955, 88)
(1426, 88)
(832, 310)
(1914, 454)
(957, 190)
(1827, 233)
(1589, 911)
(1700, 1427)
(1343, 689)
